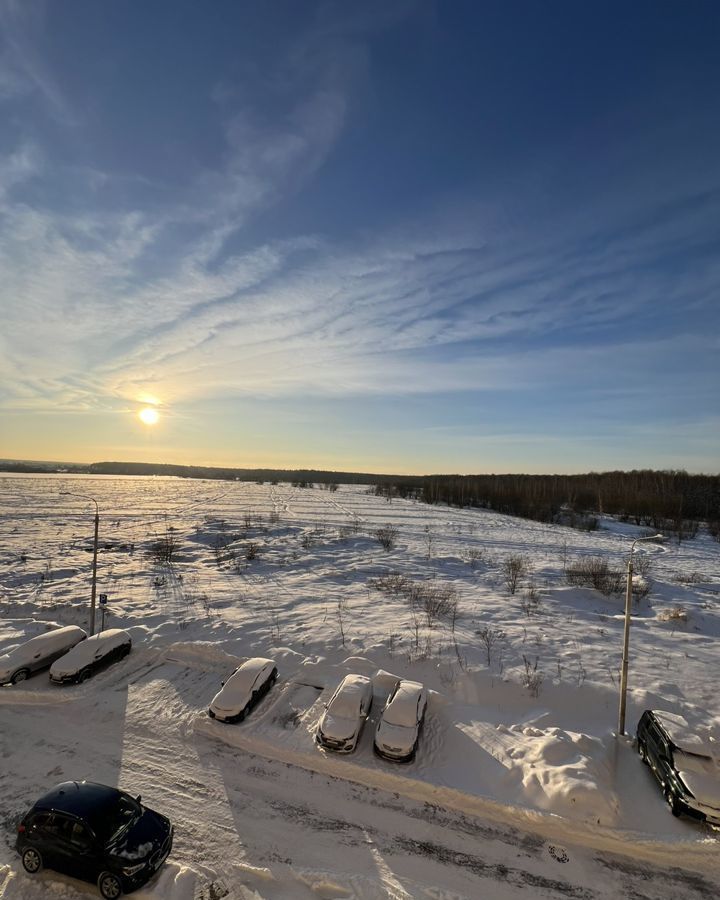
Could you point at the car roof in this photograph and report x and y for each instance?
(244, 678)
(684, 737)
(403, 707)
(354, 682)
(78, 798)
(254, 664)
(109, 634)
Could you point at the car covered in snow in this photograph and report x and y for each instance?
(244, 688)
(398, 730)
(97, 833)
(345, 714)
(92, 654)
(685, 761)
(38, 653)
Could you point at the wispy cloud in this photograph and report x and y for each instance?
(308, 316)
(23, 69)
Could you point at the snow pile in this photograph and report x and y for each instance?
(563, 771)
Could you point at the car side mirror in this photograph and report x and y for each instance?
(222, 684)
(138, 799)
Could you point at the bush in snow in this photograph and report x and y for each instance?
(594, 572)
(513, 568)
(164, 549)
(387, 537)
(531, 678)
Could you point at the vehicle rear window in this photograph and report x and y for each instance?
(402, 710)
(346, 704)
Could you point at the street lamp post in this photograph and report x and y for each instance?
(95, 551)
(626, 632)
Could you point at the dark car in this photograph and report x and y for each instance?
(96, 833)
(92, 654)
(684, 761)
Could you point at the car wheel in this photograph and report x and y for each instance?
(642, 752)
(20, 675)
(241, 715)
(32, 860)
(109, 885)
(672, 802)
(126, 650)
(84, 675)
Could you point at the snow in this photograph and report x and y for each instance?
(507, 774)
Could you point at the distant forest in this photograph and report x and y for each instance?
(667, 501)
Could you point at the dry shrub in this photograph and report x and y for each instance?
(393, 583)
(690, 578)
(595, 572)
(387, 537)
(531, 679)
(164, 548)
(677, 615)
(513, 568)
(435, 601)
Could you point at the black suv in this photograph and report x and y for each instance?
(686, 764)
(96, 833)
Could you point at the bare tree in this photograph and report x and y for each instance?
(340, 613)
(489, 637)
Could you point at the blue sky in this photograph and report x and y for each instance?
(393, 236)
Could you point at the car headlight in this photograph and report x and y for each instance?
(132, 870)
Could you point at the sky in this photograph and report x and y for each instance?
(394, 236)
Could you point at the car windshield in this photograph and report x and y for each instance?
(117, 817)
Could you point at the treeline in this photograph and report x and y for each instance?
(299, 477)
(664, 500)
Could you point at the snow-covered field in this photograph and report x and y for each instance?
(519, 787)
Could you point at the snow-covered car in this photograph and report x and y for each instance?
(243, 689)
(92, 654)
(38, 653)
(396, 736)
(685, 762)
(345, 714)
(96, 833)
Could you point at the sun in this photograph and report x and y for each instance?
(149, 415)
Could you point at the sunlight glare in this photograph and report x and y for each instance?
(148, 416)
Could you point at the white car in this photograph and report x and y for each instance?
(345, 714)
(243, 689)
(399, 727)
(38, 653)
(92, 654)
